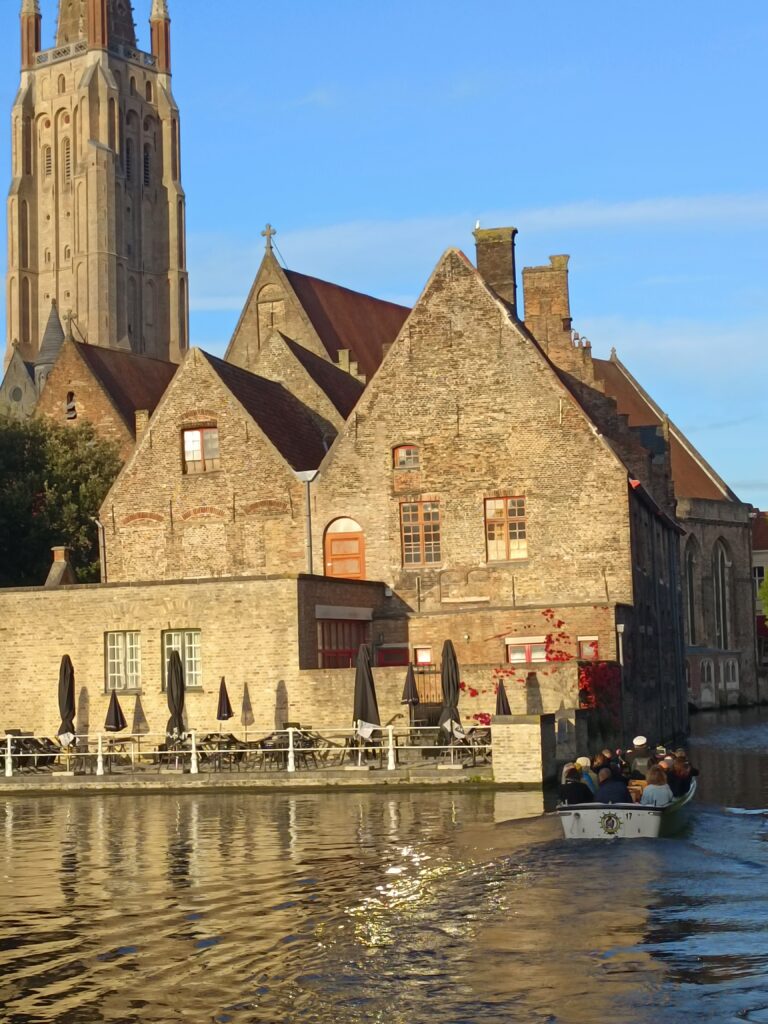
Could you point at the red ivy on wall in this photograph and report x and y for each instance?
(600, 688)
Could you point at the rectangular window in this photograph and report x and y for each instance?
(123, 658)
(187, 643)
(422, 656)
(338, 641)
(589, 649)
(526, 650)
(505, 532)
(420, 532)
(201, 450)
(758, 576)
(406, 457)
(392, 656)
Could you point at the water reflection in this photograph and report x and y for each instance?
(421, 906)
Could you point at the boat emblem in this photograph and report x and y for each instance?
(610, 823)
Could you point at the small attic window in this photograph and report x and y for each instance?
(201, 450)
(405, 456)
(70, 407)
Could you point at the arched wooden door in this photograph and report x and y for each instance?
(345, 550)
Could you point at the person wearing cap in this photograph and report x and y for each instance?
(640, 761)
(588, 777)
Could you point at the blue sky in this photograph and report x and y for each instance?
(630, 135)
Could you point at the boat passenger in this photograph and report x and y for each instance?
(611, 789)
(588, 777)
(657, 793)
(680, 776)
(574, 790)
(566, 768)
(640, 760)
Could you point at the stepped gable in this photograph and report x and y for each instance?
(345, 319)
(132, 382)
(341, 387)
(286, 422)
(693, 477)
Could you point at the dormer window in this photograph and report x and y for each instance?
(201, 450)
(405, 456)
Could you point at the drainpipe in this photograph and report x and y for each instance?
(102, 548)
(620, 652)
(306, 476)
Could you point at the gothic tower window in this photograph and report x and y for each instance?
(112, 119)
(148, 92)
(129, 159)
(62, 85)
(24, 233)
(690, 592)
(47, 161)
(721, 580)
(147, 167)
(66, 160)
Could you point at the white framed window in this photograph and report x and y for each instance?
(505, 529)
(526, 650)
(422, 656)
(707, 672)
(589, 648)
(123, 660)
(187, 643)
(201, 450)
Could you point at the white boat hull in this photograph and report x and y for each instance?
(622, 821)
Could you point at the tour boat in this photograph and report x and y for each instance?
(622, 821)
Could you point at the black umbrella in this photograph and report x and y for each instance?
(502, 702)
(66, 731)
(115, 718)
(224, 711)
(175, 693)
(246, 712)
(366, 707)
(449, 681)
(410, 690)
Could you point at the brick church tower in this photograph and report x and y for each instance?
(96, 209)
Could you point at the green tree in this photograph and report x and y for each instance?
(52, 481)
(763, 596)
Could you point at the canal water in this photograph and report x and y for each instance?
(405, 908)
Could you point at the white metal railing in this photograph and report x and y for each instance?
(292, 749)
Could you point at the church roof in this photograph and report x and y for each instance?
(341, 387)
(345, 319)
(693, 477)
(52, 340)
(131, 381)
(287, 423)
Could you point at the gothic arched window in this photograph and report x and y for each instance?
(690, 592)
(721, 582)
(47, 161)
(66, 159)
(147, 167)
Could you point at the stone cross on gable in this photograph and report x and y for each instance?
(268, 233)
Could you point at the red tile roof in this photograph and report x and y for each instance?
(350, 320)
(691, 478)
(341, 387)
(131, 381)
(760, 532)
(286, 422)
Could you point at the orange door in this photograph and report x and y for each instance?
(345, 555)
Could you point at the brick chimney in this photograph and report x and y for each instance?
(495, 248)
(61, 573)
(142, 422)
(548, 318)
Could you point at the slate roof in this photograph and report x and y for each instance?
(131, 381)
(285, 421)
(692, 476)
(53, 339)
(345, 319)
(341, 387)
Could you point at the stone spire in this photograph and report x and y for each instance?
(50, 346)
(79, 19)
(31, 22)
(160, 28)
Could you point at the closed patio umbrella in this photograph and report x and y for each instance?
(224, 711)
(366, 706)
(410, 690)
(449, 681)
(175, 693)
(502, 701)
(115, 718)
(66, 731)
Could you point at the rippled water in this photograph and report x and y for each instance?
(415, 907)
